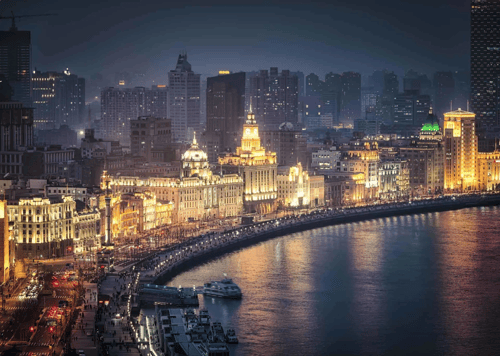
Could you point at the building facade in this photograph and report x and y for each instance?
(425, 158)
(150, 138)
(42, 227)
(274, 97)
(58, 99)
(461, 151)
(184, 100)
(225, 113)
(258, 168)
(15, 63)
(196, 194)
(485, 54)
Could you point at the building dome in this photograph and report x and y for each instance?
(286, 126)
(431, 124)
(194, 153)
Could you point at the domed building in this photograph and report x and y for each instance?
(194, 162)
(197, 195)
(431, 129)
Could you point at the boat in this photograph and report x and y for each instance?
(231, 337)
(225, 288)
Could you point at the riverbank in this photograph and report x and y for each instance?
(210, 246)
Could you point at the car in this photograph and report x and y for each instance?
(81, 352)
(88, 333)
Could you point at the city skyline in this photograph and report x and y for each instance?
(123, 37)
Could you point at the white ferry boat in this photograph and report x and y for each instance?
(225, 288)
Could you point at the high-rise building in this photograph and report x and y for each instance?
(15, 63)
(120, 105)
(461, 150)
(350, 100)
(313, 85)
(184, 103)
(225, 113)
(258, 168)
(485, 61)
(16, 134)
(58, 99)
(444, 87)
(301, 82)
(410, 110)
(274, 97)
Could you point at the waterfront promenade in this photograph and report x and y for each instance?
(163, 265)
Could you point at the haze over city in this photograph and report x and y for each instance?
(320, 37)
(249, 178)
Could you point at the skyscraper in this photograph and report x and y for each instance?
(461, 151)
(15, 63)
(58, 99)
(485, 56)
(120, 105)
(225, 113)
(350, 100)
(275, 97)
(313, 85)
(184, 103)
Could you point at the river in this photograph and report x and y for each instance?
(414, 285)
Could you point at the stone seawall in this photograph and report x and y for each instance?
(309, 222)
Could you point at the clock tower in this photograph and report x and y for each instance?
(257, 167)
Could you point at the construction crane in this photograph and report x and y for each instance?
(13, 17)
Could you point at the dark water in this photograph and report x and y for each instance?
(426, 284)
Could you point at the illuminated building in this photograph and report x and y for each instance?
(461, 151)
(326, 160)
(4, 243)
(87, 238)
(196, 194)
(134, 213)
(258, 168)
(363, 159)
(425, 157)
(394, 179)
(184, 100)
(344, 188)
(45, 228)
(488, 170)
(293, 187)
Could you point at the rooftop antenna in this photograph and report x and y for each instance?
(467, 105)
(451, 105)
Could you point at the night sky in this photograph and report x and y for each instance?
(339, 35)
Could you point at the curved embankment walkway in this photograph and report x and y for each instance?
(208, 247)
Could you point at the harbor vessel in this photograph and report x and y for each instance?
(225, 288)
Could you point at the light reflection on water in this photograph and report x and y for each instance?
(421, 284)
